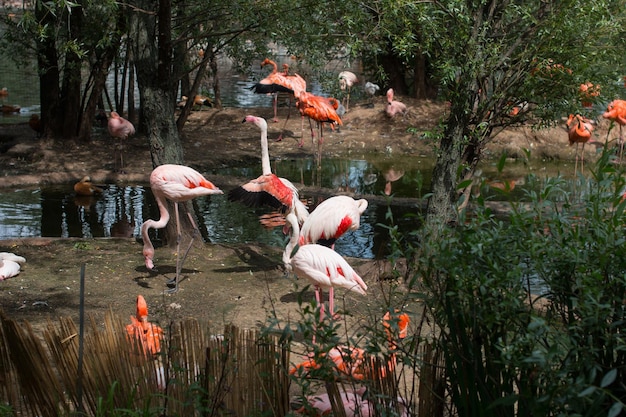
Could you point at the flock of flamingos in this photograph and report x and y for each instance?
(309, 253)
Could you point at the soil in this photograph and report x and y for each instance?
(221, 284)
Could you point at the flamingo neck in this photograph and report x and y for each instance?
(265, 154)
(164, 218)
(292, 221)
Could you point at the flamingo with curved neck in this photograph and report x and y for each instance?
(177, 183)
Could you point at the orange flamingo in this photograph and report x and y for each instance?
(120, 129)
(276, 83)
(349, 361)
(297, 81)
(150, 336)
(10, 265)
(616, 112)
(588, 92)
(321, 110)
(268, 189)
(86, 188)
(579, 131)
(346, 80)
(178, 184)
(394, 107)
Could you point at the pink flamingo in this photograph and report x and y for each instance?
(394, 107)
(178, 184)
(346, 80)
(10, 265)
(321, 266)
(391, 175)
(276, 83)
(269, 189)
(120, 129)
(330, 220)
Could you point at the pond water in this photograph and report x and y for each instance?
(55, 211)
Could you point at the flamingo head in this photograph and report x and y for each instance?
(142, 309)
(257, 121)
(390, 95)
(148, 255)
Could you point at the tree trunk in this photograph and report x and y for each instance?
(157, 93)
(395, 70)
(441, 208)
(424, 87)
(49, 89)
(72, 80)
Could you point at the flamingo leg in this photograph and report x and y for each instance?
(122, 157)
(275, 107)
(576, 160)
(582, 159)
(280, 137)
(319, 145)
(178, 237)
(181, 261)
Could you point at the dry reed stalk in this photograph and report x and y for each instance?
(38, 383)
(246, 374)
(241, 370)
(9, 392)
(432, 385)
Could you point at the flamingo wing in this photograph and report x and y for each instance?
(325, 268)
(332, 218)
(266, 190)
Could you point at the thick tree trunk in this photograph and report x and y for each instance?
(72, 80)
(441, 209)
(49, 88)
(157, 93)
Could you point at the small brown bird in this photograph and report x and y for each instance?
(35, 123)
(4, 92)
(86, 188)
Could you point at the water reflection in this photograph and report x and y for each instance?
(120, 211)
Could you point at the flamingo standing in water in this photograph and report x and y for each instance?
(276, 83)
(269, 189)
(321, 266)
(178, 184)
(616, 112)
(579, 131)
(322, 110)
(394, 107)
(10, 265)
(120, 129)
(346, 80)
